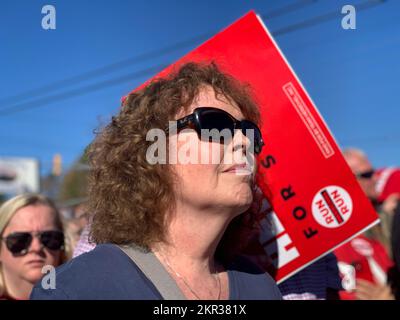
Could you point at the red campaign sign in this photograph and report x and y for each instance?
(316, 201)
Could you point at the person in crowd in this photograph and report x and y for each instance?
(72, 232)
(83, 245)
(387, 184)
(388, 188)
(372, 184)
(364, 261)
(394, 272)
(75, 226)
(32, 237)
(188, 216)
(364, 264)
(318, 281)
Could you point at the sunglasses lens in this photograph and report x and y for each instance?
(220, 126)
(367, 175)
(53, 240)
(216, 120)
(18, 242)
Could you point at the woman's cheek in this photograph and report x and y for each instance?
(52, 257)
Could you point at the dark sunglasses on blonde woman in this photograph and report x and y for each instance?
(209, 118)
(18, 243)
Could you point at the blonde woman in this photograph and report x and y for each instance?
(32, 237)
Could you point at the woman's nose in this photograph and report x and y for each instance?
(36, 245)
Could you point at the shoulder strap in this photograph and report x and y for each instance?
(154, 271)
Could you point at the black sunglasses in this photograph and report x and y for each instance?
(365, 174)
(18, 243)
(209, 118)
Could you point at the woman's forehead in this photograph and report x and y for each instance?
(207, 98)
(32, 215)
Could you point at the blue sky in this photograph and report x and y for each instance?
(352, 75)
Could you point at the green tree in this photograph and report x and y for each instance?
(75, 181)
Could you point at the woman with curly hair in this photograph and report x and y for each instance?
(190, 218)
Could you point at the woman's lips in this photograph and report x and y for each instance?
(36, 262)
(241, 169)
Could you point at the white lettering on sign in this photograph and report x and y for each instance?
(276, 241)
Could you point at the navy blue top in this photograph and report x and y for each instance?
(313, 281)
(107, 273)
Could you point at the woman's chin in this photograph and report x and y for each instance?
(242, 201)
(34, 275)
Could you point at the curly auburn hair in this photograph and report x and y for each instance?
(129, 197)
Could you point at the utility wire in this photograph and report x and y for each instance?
(103, 70)
(61, 84)
(79, 91)
(288, 8)
(154, 69)
(326, 17)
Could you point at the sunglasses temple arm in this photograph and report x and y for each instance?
(182, 123)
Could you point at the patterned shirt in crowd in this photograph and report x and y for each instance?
(83, 244)
(318, 281)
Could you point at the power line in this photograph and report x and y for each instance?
(137, 59)
(79, 91)
(326, 17)
(103, 70)
(154, 69)
(288, 8)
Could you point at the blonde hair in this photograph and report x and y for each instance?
(11, 206)
(349, 152)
